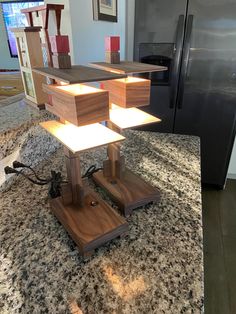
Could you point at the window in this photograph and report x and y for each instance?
(14, 18)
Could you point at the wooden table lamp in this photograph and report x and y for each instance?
(128, 190)
(89, 220)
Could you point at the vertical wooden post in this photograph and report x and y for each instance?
(74, 177)
(116, 163)
(113, 152)
(58, 21)
(45, 16)
(29, 18)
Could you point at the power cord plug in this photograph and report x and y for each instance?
(16, 164)
(55, 181)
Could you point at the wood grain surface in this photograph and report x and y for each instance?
(78, 74)
(48, 6)
(61, 61)
(129, 192)
(91, 225)
(79, 104)
(128, 67)
(112, 57)
(26, 29)
(10, 84)
(129, 92)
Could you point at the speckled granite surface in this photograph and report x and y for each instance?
(15, 120)
(157, 268)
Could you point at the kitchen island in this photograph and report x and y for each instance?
(156, 268)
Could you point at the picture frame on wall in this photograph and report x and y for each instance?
(105, 10)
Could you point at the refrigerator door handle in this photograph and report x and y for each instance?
(186, 53)
(177, 59)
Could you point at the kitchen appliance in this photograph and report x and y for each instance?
(196, 39)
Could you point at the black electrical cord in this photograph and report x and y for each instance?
(16, 164)
(91, 170)
(55, 181)
(9, 170)
(55, 186)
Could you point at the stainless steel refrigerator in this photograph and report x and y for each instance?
(196, 40)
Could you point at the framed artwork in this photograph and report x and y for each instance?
(105, 10)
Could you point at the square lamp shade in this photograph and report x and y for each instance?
(129, 92)
(78, 104)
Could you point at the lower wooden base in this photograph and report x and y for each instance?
(34, 105)
(129, 192)
(92, 225)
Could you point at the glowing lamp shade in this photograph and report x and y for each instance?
(129, 92)
(77, 103)
(130, 117)
(78, 139)
(77, 89)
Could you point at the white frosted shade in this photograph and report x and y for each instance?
(78, 139)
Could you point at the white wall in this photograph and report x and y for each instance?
(88, 35)
(130, 12)
(6, 61)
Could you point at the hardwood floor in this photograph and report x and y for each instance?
(219, 230)
(10, 84)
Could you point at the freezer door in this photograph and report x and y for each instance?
(159, 33)
(206, 104)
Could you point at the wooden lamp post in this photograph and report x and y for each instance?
(88, 219)
(128, 190)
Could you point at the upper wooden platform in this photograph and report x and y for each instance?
(128, 67)
(78, 139)
(26, 29)
(43, 7)
(78, 74)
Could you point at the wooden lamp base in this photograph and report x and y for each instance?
(90, 225)
(129, 191)
(126, 189)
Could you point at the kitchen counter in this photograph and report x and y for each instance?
(156, 268)
(16, 119)
(21, 137)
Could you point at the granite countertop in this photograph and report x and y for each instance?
(16, 119)
(157, 268)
